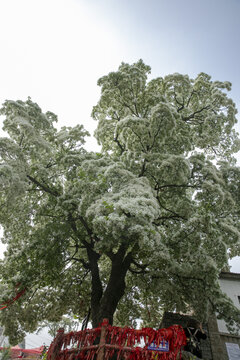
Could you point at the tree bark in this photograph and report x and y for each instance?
(104, 304)
(97, 290)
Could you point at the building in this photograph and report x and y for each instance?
(3, 339)
(220, 344)
(230, 285)
(225, 346)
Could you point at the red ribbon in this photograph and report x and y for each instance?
(125, 340)
(9, 302)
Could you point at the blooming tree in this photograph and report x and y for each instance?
(144, 226)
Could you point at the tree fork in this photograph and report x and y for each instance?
(115, 288)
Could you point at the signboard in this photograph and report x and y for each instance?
(162, 347)
(233, 351)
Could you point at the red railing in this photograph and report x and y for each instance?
(106, 341)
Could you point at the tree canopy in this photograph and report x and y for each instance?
(146, 225)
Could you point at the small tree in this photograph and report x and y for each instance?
(5, 354)
(145, 226)
(67, 323)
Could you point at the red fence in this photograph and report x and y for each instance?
(106, 341)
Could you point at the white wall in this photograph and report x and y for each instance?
(3, 339)
(232, 289)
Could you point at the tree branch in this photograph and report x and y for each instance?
(21, 140)
(180, 104)
(137, 272)
(73, 225)
(119, 144)
(84, 263)
(196, 112)
(175, 185)
(171, 211)
(155, 136)
(43, 187)
(143, 168)
(163, 218)
(142, 268)
(189, 99)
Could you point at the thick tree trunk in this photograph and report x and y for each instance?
(104, 304)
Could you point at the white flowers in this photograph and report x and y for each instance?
(163, 188)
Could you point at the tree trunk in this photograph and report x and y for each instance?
(104, 304)
(97, 290)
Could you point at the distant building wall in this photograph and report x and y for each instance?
(230, 285)
(220, 344)
(226, 346)
(3, 339)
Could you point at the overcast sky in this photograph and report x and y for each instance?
(55, 50)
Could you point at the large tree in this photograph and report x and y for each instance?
(144, 226)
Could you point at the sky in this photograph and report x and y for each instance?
(55, 50)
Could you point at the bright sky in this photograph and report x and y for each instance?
(55, 50)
